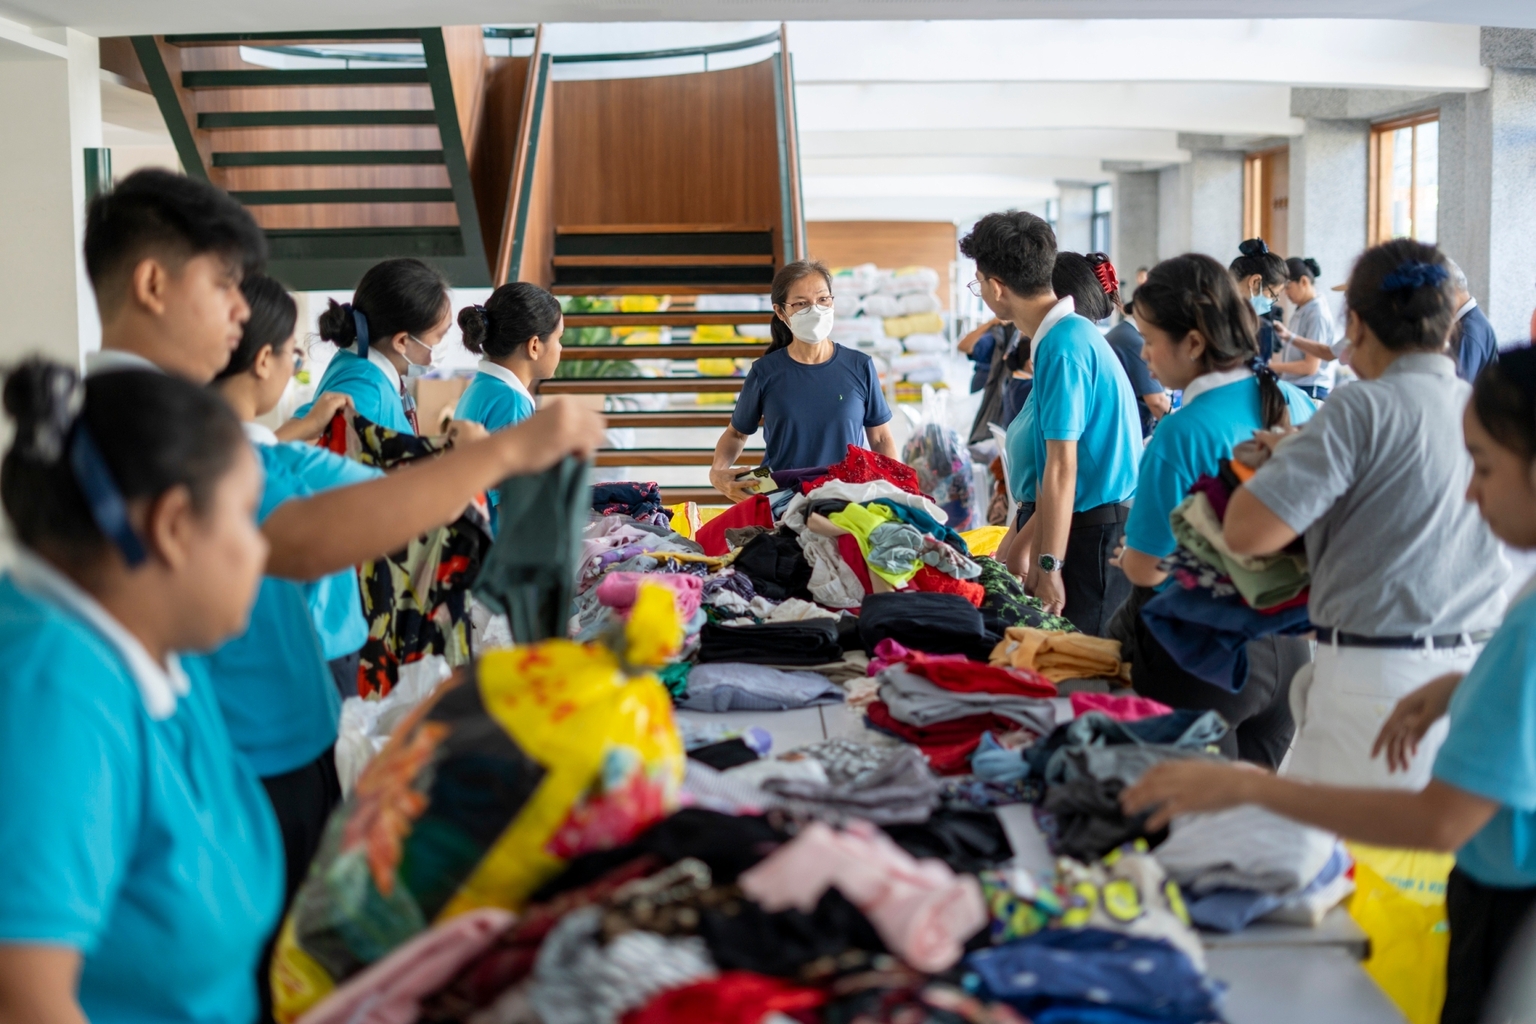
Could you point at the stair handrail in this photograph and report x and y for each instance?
(684, 51)
(527, 117)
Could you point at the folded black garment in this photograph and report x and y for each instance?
(809, 642)
(928, 622)
(1089, 821)
(725, 754)
(742, 936)
(966, 840)
(776, 565)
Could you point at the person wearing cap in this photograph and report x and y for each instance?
(1305, 370)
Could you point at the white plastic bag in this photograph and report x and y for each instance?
(367, 723)
(942, 462)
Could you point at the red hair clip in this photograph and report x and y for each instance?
(1105, 272)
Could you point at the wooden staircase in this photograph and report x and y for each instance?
(343, 166)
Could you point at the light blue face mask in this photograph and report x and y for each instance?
(1261, 303)
(415, 371)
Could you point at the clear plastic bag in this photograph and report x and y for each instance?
(942, 461)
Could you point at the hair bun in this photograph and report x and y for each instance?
(1313, 266)
(44, 398)
(475, 322)
(1253, 247)
(1412, 274)
(337, 324)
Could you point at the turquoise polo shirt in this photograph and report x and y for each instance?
(495, 398)
(1082, 394)
(1195, 441)
(297, 470)
(375, 390)
(277, 692)
(133, 832)
(1491, 750)
(1019, 442)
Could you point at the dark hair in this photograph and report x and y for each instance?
(1193, 293)
(273, 314)
(1017, 248)
(157, 212)
(1298, 267)
(1017, 357)
(153, 432)
(514, 313)
(396, 295)
(1402, 291)
(789, 274)
(1257, 259)
(1504, 400)
(1074, 276)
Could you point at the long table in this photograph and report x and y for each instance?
(1276, 974)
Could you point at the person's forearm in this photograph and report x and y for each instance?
(728, 449)
(1322, 352)
(1020, 553)
(1053, 509)
(1436, 818)
(1299, 368)
(319, 535)
(883, 442)
(1158, 403)
(1142, 569)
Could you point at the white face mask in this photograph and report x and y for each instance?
(415, 371)
(812, 324)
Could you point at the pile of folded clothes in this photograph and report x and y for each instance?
(1222, 600)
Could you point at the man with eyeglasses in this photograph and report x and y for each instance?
(1074, 449)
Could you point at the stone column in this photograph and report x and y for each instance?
(1200, 204)
(1133, 225)
(1328, 194)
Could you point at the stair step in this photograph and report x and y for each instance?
(646, 420)
(668, 457)
(654, 280)
(671, 318)
(659, 229)
(665, 243)
(697, 495)
(703, 350)
(363, 243)
(691, 260)
(318, 196)
(310, 76)
(357, 35)
(641, 385)
(328, 157)
(312, 118)
(663, 288)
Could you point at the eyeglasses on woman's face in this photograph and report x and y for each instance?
(800, 305)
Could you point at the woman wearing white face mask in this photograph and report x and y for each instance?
(1260, 276)
(812, 396)
(388, 334)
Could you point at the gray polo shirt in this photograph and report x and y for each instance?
(1376, 482)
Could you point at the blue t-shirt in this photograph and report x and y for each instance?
(1192, 442)
(146, 844)
(1127, 343)
(1023, 474)
(1081, 394)
(811, 414)
(374, 395)
(493, 403)
(297, 470)
(1491, 751)
(277, 692)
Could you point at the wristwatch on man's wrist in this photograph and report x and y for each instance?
(1048, 563)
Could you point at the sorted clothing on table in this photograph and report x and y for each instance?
(1245, 847)
(846, 760)
(931, 581)
(926, 524)
(1121, 707)
(734, 997)
(966, 840)
(809, 642)
(1232, 910)
(916, 701)
(947, 745)
(872, 491)
(948, 560)
(1006, 603)
(795, 610)
(932, 623)
(725, 754)
(901, 789)
(640, 501)
(755, 511)
(1086, 819)
(776, 566)
(1179, 730)
(890, 548)
(1127, 892)
(713, 790)
(1263, 581)
(1207, 636)
(922, 910)
(1060, 656)
(416, 600)
(739, 686)
(967, 791)
(530, 573)
(618, 590)
(958, 673)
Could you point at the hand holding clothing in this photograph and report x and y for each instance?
(312, 424)
(1190, 786)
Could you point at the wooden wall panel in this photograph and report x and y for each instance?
(679, 149)
(317, 97)
(254, 140)
(495, 147)
(537, 264)
(885, 243)
(239, 179)
(467, 66)
(357, 215)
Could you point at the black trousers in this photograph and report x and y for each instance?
(1094, 588)
(303, 800)
(1485, 922)
(1260, 714)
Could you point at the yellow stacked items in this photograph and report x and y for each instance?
(717, 366)
(917, 323)
(708, 333)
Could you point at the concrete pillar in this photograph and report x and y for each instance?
(50, 111)
(1074, 219)
(1200, 204)
(1133, 226)
(1328, 197)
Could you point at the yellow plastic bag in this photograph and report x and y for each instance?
(1418, 874)
(984, 539)
(542, 753)
(1409, 944)
(713, 333)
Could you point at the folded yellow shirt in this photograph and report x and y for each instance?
(1059, 656)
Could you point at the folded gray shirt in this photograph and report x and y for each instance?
(735, 686)
(916, 701)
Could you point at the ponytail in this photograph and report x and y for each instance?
(393, 296)
(787, 277)
(1274, 411)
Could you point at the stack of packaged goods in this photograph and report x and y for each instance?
(896, 316)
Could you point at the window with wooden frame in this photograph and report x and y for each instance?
(1267, 197)
(1403, 199)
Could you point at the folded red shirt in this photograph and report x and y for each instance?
(961, 674)
(947, 745)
